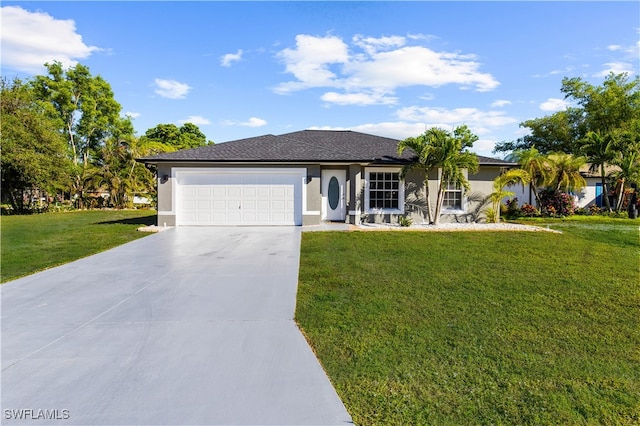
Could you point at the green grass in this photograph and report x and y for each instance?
(36, 242)
(478, 328)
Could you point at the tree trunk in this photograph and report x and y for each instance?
(428, 201)
(536, 195)
(605, 192)
(620, 196)
(439, 199)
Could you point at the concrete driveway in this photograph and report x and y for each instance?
(188, 326)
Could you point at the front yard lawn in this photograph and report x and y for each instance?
(36, 242)
(478, 328)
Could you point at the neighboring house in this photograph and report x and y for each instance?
(590, 195)
(303, 178)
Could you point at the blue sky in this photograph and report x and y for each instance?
(243, 69)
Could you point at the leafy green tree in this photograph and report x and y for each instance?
(609, 110)
(606, 108)
(184, 137)
(553, 133)
(87, 113)
(33, 150)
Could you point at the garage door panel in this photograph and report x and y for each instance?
(278, 192)
(249, 192)
(263, 204)
(219, 192)
(204, 205)
(235, 197)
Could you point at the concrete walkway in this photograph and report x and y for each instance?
(188, 326)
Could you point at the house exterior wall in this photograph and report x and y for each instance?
(585, 198)
(356, 212)
(355, 194)
(311, 212)
(481, 184)
(166, 215)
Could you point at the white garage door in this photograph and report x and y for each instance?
(239, 196)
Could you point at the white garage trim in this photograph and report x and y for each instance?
(238, 196)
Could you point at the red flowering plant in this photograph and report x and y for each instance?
(557, 203)
(528, 210)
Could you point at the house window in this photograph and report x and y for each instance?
(452, 197)
(384, 191)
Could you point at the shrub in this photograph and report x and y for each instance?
(405, 221)
(556, 203)
(595, 210)
(619, 214)
(528, 210)
(512, 212)
(581, 211)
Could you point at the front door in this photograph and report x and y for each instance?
(333, 195)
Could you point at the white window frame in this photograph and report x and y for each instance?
(463, 200)
(367, 197)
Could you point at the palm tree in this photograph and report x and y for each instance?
(537, 167)
(424, 161)
(566, 172)
(629, 171)
(508, 178)
(453, 158)
(600, 151)
(438, 148)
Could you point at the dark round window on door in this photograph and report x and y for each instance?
(334, 193)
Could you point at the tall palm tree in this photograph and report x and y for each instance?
(600, 151)
(629, 171)
(537, 167)
(453, 158)
(423, 146)
(566, 172)
(438, 148)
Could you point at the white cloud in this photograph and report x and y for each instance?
(132, 114)
(372, 45)
(498, 103)
(614, 47)
(554, 104)
(251, 122)
(309, 62)
(195, 119)
(358, 98)
(227, 59)
(30, 39)
(375, 65)
(616, 68)
(477, 120)
(254, 122)
(171, 89)
(390, 129)
(418, 66)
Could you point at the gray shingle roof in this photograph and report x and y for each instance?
(308, 146)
